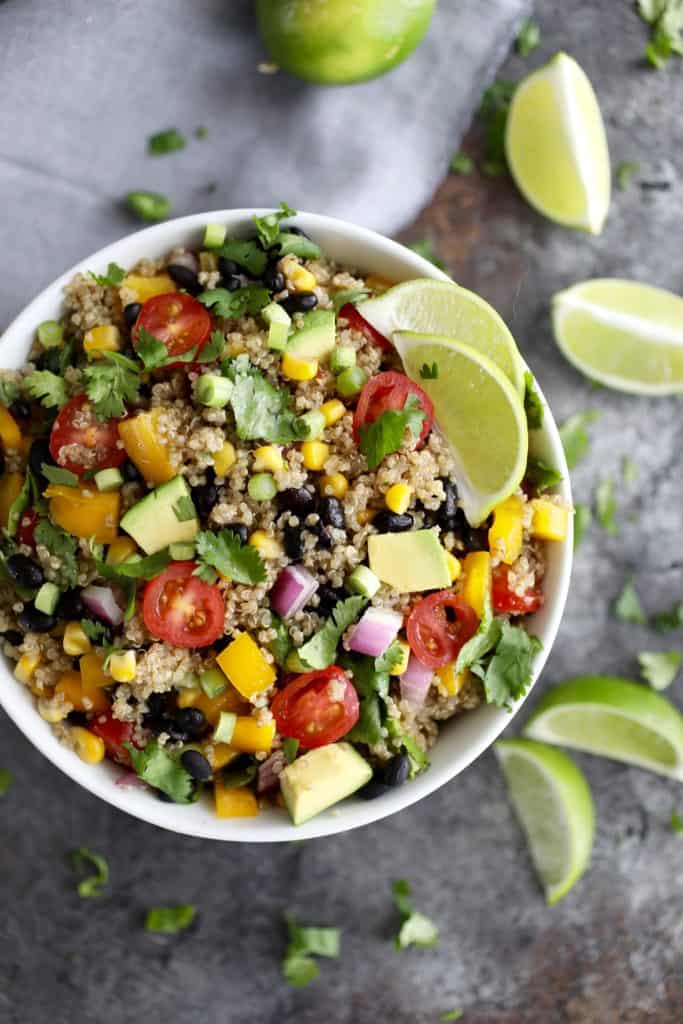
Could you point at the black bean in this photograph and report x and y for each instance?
(131, 473)
(476, 539)
(292, 229)
(210, 474)
(328, 598)
(184, 278)
(71, 606)
(322, 533)
(39, 454)
(50, 360)
(273, 279)
(20, 409)
(196, 765)
(131, 312)
(331, 511)
(205, 497)
(294, 543)
(300, 302)
(373, 789)
(241, 531)
(2, 460)
(164, 797)
(191, 721)
(33, 621)
(77, 718)
(157, 703)
(391, 522)
(449, 506)
(227, 268)
(396, 771)
(25, 572)
(298, 500)
(13, 637)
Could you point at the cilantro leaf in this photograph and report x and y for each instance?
(541, 475)
(20, 503)
(111, 381)
(400, 740)
(170, 920)
(583, 517)
(184, 509)
(349, 295)
(424, 247)
(166, 142)
(666, 19)
(158, 769)
(84, 859)
(93, 630)
(280, 645)
(213, 349)
(9, 387)
(247, 254)
(533, 406)
(140, 568)
(606, 507)
(508, 673)
(493, 115)
(627, 607)
(428, 372)
(624, 173)
(416, 929)
(484, 640)
(629, 470)
(319, 652)
(676, 823)
(64, 547)
(451, 1015)
(574, 438)
(58, 359)
(659, 668)
(225, 552)
(461, 163)
(298, 966)
(5, 781)
(238, 777)
(386, 434)
(58, 475)
(232, 305)
(529, 37)
(261, 411)
(111, 279)
(47, 387)
(371, 681)
(392, 657)
(669, 619)
(268, 226)
(155, 355)
(290, 748)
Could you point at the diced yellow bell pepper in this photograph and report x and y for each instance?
(81, 697)
(10, 434)
(224, 459)
(103, 338)
(234, 803)
(120, 549)
(194, 697)
(505, 533)
(89, 747)
(147, 287)
(144, 447)
(92, 673)
(454, 567)
(85, 512)
(451, 681)
(10, 486)
(549, 521)
(477, 580)
(246, 666)
(75, 641)
(219, 754)
(249, 737)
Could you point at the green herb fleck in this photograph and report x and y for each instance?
(574, 438)
(261, 410)
(461, 163)
(416, 929)
(158, 769)
(232, 305)
(659, 668)
(676, 823)
(225, 553)
(201, 132)
(424, 247)
(606, 507)
(48, 387)
(64, 547)
(298, 966)
(166, 142)
(666, 20)
(451, 1015)
(5, 781)
(268, 226)
(93, 884)
(170, 920)
(493, 114)
(93, 630)
(583, 517)
(428, 372)
(113, 277)
(213, 349)
(57, 475)
(529, 37)
(110, 382)
(669, 619)
(148, 206)
(9, 387)
(350, 296)
(247, 254)
(290, 748)
(281, 644)
(533, 406)
(541, 475)
(629, 470)
(387, 433)
(319, 652)
(624, 173)
(627, 607)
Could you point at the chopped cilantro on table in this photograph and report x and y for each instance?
(246, 254)
(627, 607)
(113, 277)
(659, 668)
(170, 920)
(529, 37)
(665, 18)
(110, 382)
(268, 226)
(424, 247)
(298, 966)
(261, 410)
(416, 928)
(5, 781)
(290, 748)
(574, 438)
(251, 299)
(64, 547)
(148, 206)
(541, 475)
(669, 619)
(533, 406)
(184, 509)
(451, 1015)
(629, 470)
(428, 372)
(46, 387)
(166, 142)
(158, 769)
(386, 434)
(319, 652)
(83, 860)
(59, 475)
(493, 115)
(201, 132)
(625, 172)
(224, 552)
(606, 507)
(461, 163)
(676, 823)
(583, 517)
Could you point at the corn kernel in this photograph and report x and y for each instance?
(302, 279)
(225, 459)
(315, 453)
(75, 642)
(234, 803)
(89, 747)
(104, 338)
(549, 521)
(246, 666)
(51, 712)
(332, 411)
(188, 696)
(402, 665)
(25, 668)
(123, 666)
(451, 681)
(120, 549)
(335, 485)
(251, 738)
(298, 369)
(268, 459)
(454, 567)
(268, 547)
(477, 580)
(505, 534)
(397, 498)
(10, 434)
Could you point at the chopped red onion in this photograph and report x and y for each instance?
(269, 772)
(415, 682)
(129, 780)
(376, 629)
(293, 589)
(102, 603)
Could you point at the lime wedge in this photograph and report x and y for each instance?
(479, 412)
(441, 307)
(555, 808)
(614, 718)
(556, 146)
(623, 334)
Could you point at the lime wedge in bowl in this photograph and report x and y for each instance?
(479, 412)
(556, 146)
(555, 809)
(615, 718)
(623, 334)
(441, 307)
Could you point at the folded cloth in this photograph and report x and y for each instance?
(84, 85)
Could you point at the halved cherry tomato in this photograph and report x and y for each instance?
(114, 734)
(78, 425)
(26, 530)
(175, 319)
(390, 390)
(505, 599)
(435, 637)
(360, 324)
(182, 609)
(309, 710)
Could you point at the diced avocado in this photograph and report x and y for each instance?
(342, 357)
(225, 727)
(47, 597)
(363, 581)
(279, 322)
(182, 552)
(109, 479)
(409, 561)
(154, 524)
(322, 777)
(315, 338)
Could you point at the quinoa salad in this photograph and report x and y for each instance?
(234, 560)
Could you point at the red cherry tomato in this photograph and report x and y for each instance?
(434, 635)
(78, 425)
(506, 600)
(390, 390)
(114, 734)
(26, 530)
(310, 709)
(175, 319)
(360, 324)
(182, 609)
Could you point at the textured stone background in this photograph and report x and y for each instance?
(612, 952)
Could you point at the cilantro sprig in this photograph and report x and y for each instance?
(224, 552)
(659, 668)
(93, 883)
(298, 966)
(170, 920)
(110, 382)
(158, 769)
(416, 928)
(47, 387)
(113, 277)
(665, 18)
(268, 226)
(386, 434)
(533, 406)
(230, 305)
(261, 410)
(319, 652)
(64, 547)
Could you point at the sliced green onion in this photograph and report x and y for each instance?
(262, 487)
(315, 424)
(342, 357)
(351, 381)
(50, 334)
(213, 391)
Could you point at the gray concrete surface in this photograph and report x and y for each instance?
(612, 952)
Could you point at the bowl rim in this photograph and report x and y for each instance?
(100, 780)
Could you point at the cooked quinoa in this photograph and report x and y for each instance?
(186, 663)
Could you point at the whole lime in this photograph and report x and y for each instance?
(335, 42)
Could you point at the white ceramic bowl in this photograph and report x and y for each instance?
(462, 739)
